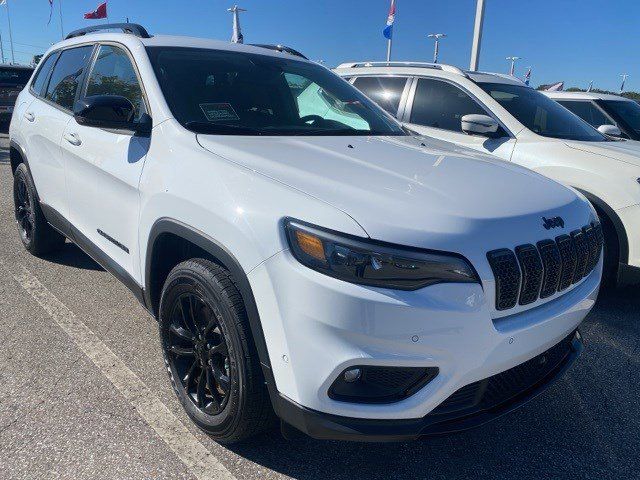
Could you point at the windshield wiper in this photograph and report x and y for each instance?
(221, 128)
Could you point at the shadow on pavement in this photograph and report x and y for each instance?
(71, 256)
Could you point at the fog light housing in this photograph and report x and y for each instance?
(379, 384)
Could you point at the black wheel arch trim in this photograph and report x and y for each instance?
(228, 261)
(623, 242)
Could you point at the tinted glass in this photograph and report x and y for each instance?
(540, 114)
(628, 112)
(13, 77)
(441, 105)
(385, 91)
(67, 75)
(42, 74)
(587, 111)
(113, 74)
(233, 93)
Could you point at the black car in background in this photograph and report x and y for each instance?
(13, 78)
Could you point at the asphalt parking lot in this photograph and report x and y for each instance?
(72, 339)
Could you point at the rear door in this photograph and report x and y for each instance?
(45, 119)
(104, 166)
(435, 108)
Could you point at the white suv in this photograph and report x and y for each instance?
(301, 252)
(500, 115)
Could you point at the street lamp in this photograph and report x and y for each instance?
(513, 64)
(437, 37)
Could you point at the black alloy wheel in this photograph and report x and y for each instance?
(24, 210)
(198, 353)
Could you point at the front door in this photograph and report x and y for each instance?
(104, 166)
(437, 109)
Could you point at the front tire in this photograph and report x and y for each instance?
(37, 236)
(209, 353)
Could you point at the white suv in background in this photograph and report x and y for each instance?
(603, 111)
(500, 115)
(302, 253)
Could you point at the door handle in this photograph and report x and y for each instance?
(29, 116)
(73, 139)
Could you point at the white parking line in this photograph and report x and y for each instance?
(201, 463)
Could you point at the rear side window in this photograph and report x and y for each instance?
(113, 74)
(385, 91)
(440, 104)
(66, 76)
(587, 111)
(42, 74)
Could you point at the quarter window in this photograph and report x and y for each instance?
(42, 74)
(66, 76)
(442, 105)
(385, 91)
(114, 74)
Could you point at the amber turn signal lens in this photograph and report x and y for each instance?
(311, 245)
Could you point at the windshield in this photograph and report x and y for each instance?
(540, 114)
(628, 112)
(14, 76)
(234, 93)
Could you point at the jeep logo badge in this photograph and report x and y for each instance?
(553, 222)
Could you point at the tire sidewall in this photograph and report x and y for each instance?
(183, 280)
(22, 175)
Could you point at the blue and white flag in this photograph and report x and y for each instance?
(388, 30)
(527, 77)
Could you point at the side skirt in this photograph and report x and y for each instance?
(60, 223)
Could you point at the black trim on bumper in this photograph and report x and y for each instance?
(333, 427)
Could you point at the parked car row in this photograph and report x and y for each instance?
(307, 256)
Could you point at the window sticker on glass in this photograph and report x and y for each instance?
(218, 112)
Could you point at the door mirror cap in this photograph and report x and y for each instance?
(610, 130)
(110, 112)
(484, 125)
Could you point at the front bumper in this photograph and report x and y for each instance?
(317, 326)
(469, 407)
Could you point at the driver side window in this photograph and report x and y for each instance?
(113, 74)
(442, 105)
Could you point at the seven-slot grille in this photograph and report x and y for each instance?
(539, 271)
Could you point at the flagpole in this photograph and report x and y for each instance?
(389, 42)
(60, 12)
(13, 58)
(1, 49)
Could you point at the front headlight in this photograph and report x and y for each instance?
(369, 262)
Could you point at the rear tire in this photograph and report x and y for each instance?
(209, 352)
(37, 236)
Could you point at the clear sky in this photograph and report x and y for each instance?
(571, 40)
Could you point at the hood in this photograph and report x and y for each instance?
(413, 191)
(627, 151)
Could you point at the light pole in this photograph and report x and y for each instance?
(237, 36)
(513, 60)
(437, 37)
(477, 37)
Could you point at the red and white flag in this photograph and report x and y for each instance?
(100, 12)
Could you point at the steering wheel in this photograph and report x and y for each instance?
(311, 118)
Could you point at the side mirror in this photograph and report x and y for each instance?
(610, 130)
(483, 125)
(110, 112)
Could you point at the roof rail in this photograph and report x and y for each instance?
(131, 28)
(280, 48)
(435, 66)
